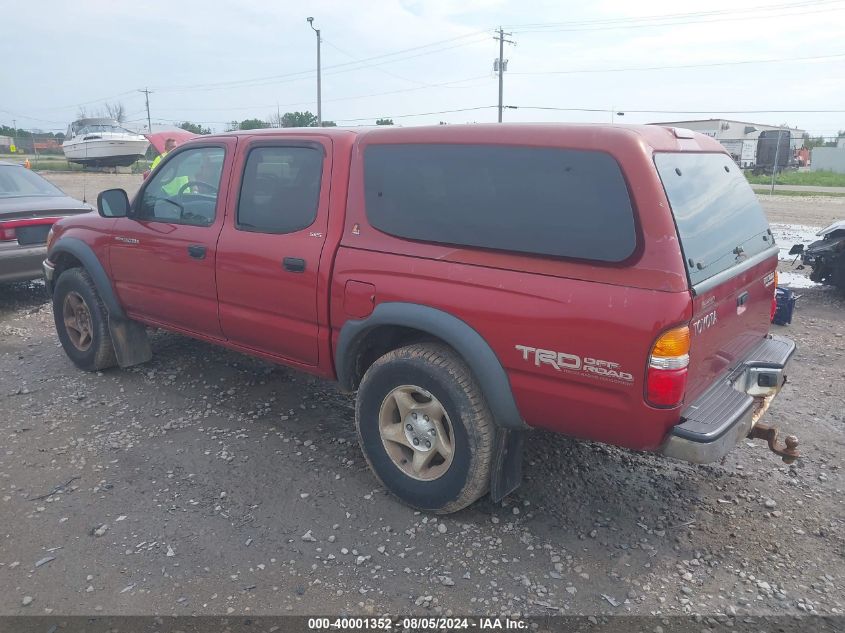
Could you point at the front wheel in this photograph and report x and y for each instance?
(82, 321)
(425, 428)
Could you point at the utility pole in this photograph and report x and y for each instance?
(501, 65)
(319, 98)
(15, 133)
(146, 92)
(775, 166)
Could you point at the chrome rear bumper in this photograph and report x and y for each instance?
(724, 414)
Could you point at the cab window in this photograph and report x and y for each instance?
(184, 189)
(280, 191)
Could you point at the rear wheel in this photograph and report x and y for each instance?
(425, 428)
(82, 321)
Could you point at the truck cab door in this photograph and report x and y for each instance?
(269, 251)
(162, 257)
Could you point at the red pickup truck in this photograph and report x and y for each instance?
(613, 283)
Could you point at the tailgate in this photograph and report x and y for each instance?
(730, 257)
(729, 318)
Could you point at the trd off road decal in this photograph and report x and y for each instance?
(561, 361)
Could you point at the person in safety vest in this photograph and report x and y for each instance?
(169, 146)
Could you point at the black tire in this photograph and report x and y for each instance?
(100, 353)
(440, 371)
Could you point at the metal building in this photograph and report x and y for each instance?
(739, 138)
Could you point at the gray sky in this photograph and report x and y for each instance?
(212, 62)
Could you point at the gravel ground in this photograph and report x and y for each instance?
(86, 185)
(209, 482)
(818, 211)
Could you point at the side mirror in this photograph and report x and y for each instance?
(113, 203)
(796, 249)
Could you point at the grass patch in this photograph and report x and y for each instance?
(808, 178)
(803, 194)
(53, 164)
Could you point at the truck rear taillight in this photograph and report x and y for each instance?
(667, 368)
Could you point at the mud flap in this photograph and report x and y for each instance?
(506, 473)
(131, 345)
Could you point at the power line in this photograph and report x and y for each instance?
(574, 71)
(83, 103)
(346, 66)
(29, 118)
(660, 20)
(712, 111)
(472, 38)
(756, 8)
(355, 64)
(244, 82)
(371, 118)
(559, 109)
(405, 116)
(304, 75)
(681, 23)
(445, 84)
(552, 108)
(381, 70)
(708, 65)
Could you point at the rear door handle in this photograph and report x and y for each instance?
(294, 264)
(197, 251)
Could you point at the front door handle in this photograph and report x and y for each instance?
(197, 251)
(294, 264)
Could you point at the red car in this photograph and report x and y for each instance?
(613, 283)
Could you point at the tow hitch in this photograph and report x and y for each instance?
(789, 452)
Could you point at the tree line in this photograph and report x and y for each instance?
(288, 119)
(822, 141)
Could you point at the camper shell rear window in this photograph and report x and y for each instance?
(719, 219)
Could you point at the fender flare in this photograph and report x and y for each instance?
(471, 346)
(81, 251)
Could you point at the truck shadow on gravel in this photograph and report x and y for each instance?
(577, 487)
(570, 488)
(586, 489)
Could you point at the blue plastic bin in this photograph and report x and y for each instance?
(785, 300)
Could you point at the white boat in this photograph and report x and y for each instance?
(103, 143)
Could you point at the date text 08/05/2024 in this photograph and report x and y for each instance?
(415, 624)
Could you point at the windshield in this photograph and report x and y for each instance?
(90, 129)
(720, 221)
(16, 182)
